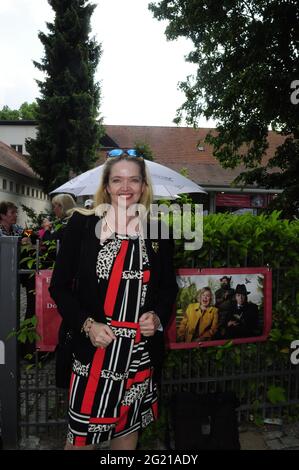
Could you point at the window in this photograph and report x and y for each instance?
(23, 189)
(17, 147)
(32, 192)
(17, 188)
(4, 184)
(28, 191)
(11, 186)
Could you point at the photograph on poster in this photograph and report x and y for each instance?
(214, 306)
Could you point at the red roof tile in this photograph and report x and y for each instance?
(14, 161)
(177, 147)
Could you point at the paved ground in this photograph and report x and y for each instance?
(267, 437)
(270, 437)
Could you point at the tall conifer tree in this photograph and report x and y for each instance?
(68, 132)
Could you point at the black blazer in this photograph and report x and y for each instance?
(77, 260)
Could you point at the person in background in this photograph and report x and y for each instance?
(63, 206)
(8, 221)
(243, 318)
(10, 228)
(46, 225)
(224, 301)
(126, 287)
(200, 321)
(88, 204)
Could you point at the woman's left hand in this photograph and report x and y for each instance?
(149, 323)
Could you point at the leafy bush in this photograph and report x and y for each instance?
(239, 241)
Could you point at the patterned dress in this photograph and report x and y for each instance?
(112, 393)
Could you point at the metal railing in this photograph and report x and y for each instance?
(31, 405)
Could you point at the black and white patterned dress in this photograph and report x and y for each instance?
(111, 391)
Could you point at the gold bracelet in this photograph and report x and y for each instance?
(85, 325)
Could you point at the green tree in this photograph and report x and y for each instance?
(68, 132)
(26, 111)
(7, 114)
(247, 57)
(144, 150)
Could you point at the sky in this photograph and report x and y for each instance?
(131, 38)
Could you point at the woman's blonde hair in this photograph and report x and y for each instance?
(66, 202)
(202, 291)
(102, 197)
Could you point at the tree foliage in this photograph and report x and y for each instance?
(68, 132)
(27, 111)
(248, 68)
(144, 150)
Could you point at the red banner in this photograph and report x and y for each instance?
(241, 200)
(48, 318)
(233, 200)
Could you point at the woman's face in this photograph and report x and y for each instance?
(125, 184)
(10, 217)
(58, 211)
(206, 298)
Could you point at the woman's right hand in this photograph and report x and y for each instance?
(101, 335)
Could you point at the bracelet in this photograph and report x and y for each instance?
(87, 326)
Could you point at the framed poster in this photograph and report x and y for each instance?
(215, 306)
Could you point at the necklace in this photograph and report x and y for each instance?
(108, 225)
(113, 231)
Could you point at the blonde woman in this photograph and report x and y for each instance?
(200, 321)
(126, 287)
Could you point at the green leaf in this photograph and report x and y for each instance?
(276, 395)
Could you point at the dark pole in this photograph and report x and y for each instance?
(9, 321)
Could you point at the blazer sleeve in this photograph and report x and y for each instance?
(66, 270)
(168, 287)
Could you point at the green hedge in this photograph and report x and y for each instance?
(236, 241)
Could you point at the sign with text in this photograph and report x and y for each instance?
(48, 318)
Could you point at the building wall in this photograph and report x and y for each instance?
(20, 190)
(16, 135)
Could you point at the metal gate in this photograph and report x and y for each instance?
(32, 407)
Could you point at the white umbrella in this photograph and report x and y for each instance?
(166, 183)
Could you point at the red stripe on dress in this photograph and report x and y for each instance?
(103, 420)
(123, 418)
(71, 385)
(93, 381)
(115, 278)
(80, 441)
(125, 324)
(139, 377)
(138, 335)
(155, 409)
(146, 276)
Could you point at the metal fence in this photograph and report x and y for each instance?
(31, 405)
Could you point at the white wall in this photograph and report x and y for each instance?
(37, 204)
(18, 194)
(16, 135)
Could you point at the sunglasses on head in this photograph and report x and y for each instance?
(120, 152)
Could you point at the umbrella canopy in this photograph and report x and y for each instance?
(166, 183)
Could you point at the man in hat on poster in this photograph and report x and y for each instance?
(224, 297)
(243, 318)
